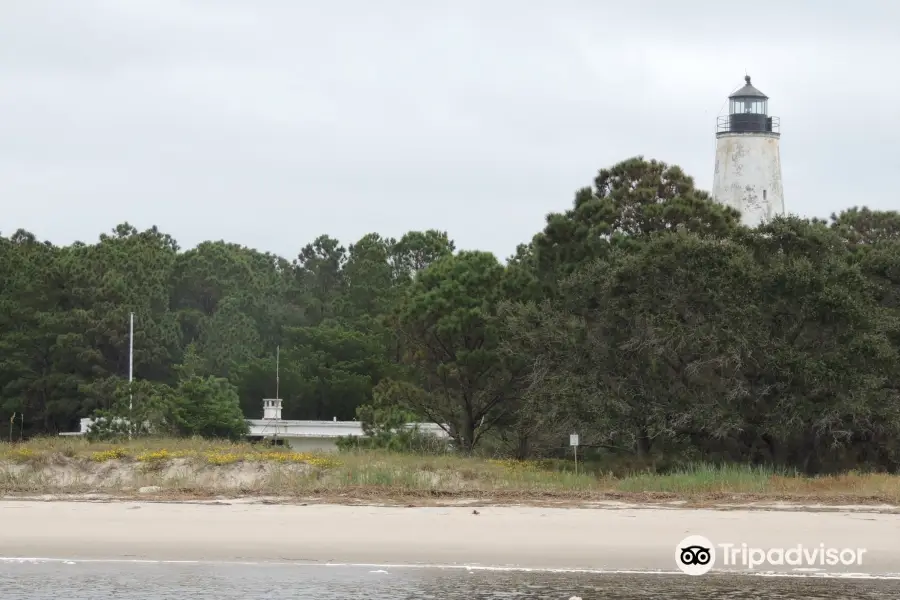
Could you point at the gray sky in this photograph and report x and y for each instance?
(269, 122)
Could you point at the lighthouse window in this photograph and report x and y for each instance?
(748, 106)
(764, 194)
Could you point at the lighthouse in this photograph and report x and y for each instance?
(748, 160)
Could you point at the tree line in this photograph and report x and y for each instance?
(645, 317)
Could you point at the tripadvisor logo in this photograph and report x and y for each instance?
(696, 555)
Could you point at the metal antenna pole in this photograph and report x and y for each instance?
(130, 370)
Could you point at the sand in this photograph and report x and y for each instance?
(602, 539)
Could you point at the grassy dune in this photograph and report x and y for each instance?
(173, 468)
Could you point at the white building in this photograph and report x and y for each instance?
(309, 436)
(748, 159)
(315, 436)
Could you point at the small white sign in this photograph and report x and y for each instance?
(573, 439)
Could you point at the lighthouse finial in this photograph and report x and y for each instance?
(747, 78)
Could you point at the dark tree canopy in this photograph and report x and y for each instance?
(645, 316)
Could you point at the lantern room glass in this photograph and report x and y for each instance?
(749, 105)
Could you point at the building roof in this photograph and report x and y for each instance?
(748, 91)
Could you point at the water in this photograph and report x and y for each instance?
(165, 581)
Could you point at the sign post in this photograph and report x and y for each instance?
(573, 441)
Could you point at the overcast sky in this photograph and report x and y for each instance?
(269, 122)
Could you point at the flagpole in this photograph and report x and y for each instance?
(130, 369)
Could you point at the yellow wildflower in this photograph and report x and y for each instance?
(105, 455)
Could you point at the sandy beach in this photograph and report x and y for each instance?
(602, 539)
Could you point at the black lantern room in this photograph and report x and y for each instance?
(748, 112)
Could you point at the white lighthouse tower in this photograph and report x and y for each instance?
(748, 160)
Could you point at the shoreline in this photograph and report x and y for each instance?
(625, 539)
(614, 502)
(448, 567)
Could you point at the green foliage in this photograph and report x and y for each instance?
(450, 334)
(416, 250)
(629, 201)
(333, 368)
(217, 310)
(138, 409)
(644, 317)
(207, 407)
(387, 427)
(197, 406)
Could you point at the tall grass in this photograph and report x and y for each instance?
(702, 478)
(211, 467)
